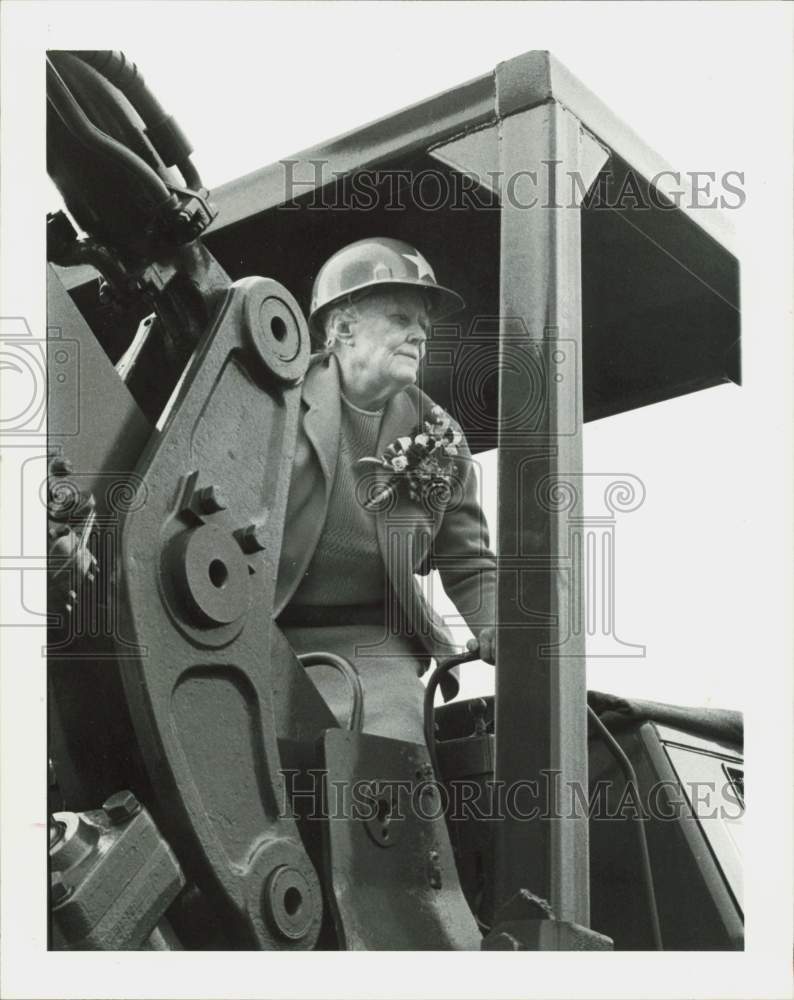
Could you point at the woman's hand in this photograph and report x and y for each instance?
(484, 644)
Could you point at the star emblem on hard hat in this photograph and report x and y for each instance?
(423, 268)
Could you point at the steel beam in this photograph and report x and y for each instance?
(540, 694)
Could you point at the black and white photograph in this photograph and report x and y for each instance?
(397, 480)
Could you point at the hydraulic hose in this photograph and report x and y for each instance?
(443, 667)
(645, 858)
(351, 675)
(79, 125)
(163, 131)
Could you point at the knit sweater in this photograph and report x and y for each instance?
(347, 567)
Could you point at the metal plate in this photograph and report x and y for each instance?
(395, 886)
(196, 591)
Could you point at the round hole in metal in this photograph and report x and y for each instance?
(278, 328)
(293, 900)
(218, 573)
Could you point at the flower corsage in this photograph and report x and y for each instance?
(423, 462)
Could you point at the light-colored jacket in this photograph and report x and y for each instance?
(412, 538)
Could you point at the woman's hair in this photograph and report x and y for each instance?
(345, 311)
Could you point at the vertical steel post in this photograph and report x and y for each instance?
(541, 733)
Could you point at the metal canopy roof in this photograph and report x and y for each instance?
(517, 85)
(659, 285)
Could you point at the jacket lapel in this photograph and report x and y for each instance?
(322, 420)
(312, 476)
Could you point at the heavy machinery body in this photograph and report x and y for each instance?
(176, 351)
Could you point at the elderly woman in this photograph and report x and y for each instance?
(354, 537)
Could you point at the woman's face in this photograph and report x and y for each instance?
(387, 339)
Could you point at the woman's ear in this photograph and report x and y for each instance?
(341, 328)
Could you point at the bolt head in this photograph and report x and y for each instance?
(252, 538)
(121, 807)
(425, 773)
(59, 890)
(428, 794)
(60, 467)
(210, 500)
(435, 877)
(56, 832)
(502, 941)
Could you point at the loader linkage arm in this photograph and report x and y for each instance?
(200, 537)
